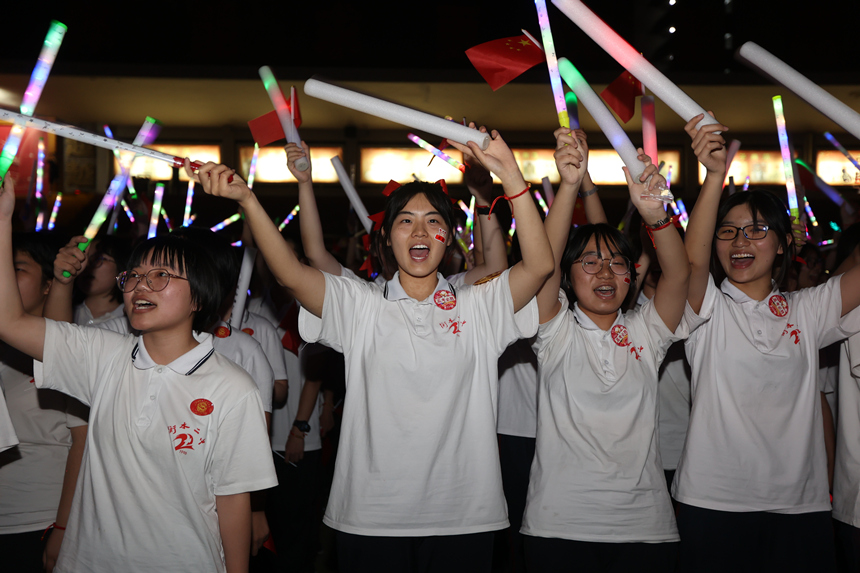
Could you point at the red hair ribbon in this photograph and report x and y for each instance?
(377, 219)
(365, 242)
(367, 265)
(391, 187)
(801, 261)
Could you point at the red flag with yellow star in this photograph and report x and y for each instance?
(500, 61)
(621, 94)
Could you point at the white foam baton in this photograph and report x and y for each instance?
(242, 287)
(352, 194)
(284, 114)
(734, 146)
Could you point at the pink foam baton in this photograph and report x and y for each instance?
(156, 210)
(734, 146)
(608, 125)
(787, 161)
(783, 74)
(283, 111)
(40, 181)
(352, 194)
(552, 63)
(841, 148)
(649, 127)
(437, 152)
(58, 200)
(632, 61)
(547, 190)
(395, 113)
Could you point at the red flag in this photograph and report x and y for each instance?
(579, 213)
(500, 61)
(621, 95)
(267, 128)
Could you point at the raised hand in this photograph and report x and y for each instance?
(70, 261)
(571, 155)
(709, 147)
(294, 153)
(7, 199)
(497, 158)
(649, 207)
(214, 180)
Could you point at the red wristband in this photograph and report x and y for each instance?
(509, 199)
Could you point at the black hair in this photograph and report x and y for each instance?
(770, 208)
(849, 241)
(396, 203)
(188, 257)
(42, 247)
(118, 249)
(225, 256)
(603, 234)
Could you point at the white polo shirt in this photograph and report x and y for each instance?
(846, 474)
(8, 438)
(756, 437)
(518, 390)
(164, 441)
(84, 316)
(265, 333)
(418, 452)
(597, 474)
(283, 418)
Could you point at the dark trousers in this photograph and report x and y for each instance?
(22, 552)
(472, 553)
(847, 547)
(516, 455)
(552, 555)
(755, 542)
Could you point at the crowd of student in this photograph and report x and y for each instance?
(636, 401)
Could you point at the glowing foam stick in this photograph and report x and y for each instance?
(247, 269)
(831, 193)
(156, 210)
(58, 200)
(438, 153)
(513, 228)
(608, 125)
(108, 202)
(541, 202)
(40, 181)
(463, 246)
(808, 208)
(283, 111)
(827, 242)
(467, 211)
(189, 197)
(237, 243)
(547, 188)
(43, 67)
(747, 184)
(289, 218)
(730, 155)
(125, 208)
(786, 157)
(396, 113)
(252, 171)
(572, 110)
(632, 61)
(684, 218)
(844, 151)
(228, 221)
(649, 128)
(835, 227)
(784, 74)
(669, 178)
(352, 194)
(552, 63)
(166, 219)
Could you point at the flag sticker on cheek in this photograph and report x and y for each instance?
(441, 235)
(627, 280)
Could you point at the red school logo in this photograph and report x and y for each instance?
(778, 305)
(222, 332)
(445, 299)
(620, 336)
(201, 407)
(248, 331)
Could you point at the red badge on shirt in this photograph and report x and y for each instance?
(620, 335)
(201, 407)
(445, 299)
(222, 332)
(778, 305)
(248, 331)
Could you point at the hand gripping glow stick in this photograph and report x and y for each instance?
(58, 200)
(552, 63)
(844, 151)
(242, 287)
(632, 61)
(734, 146)
(547, 189)
(156, 210)
(785, 75)
(786, 157)
(831, 193)
(352, 194)
(40, 181)
(649, 127)
(289, 218)
(283, 111)
(608, 124)
(189, 197)
(437, 152)
(228, 221)
(396, 113)
(252, 171)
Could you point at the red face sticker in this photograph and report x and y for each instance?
(441, 235)
(627, 280)
(778, 305)
(248, 331)
(619, 335)
(222, 332)
(201, 407)
(445, 299)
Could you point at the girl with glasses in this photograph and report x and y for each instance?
(752, 480)
(597, 493)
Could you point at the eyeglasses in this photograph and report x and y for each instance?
(592, 264)
(156, 280)
(752, 232)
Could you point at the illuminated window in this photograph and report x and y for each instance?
(835, 169)
(157, 170)
(380, 165)
(604, 166)
(272, 164)
(762, 167)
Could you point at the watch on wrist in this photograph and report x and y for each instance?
(302, 426)
(592, 191)
(660, 224)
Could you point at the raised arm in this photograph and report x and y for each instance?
(594, 212)
(305, 283)
(710, 149)
(70, 259)
(528, 275)
(17, 328)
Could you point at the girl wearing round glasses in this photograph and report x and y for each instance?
(597, 493)
(752, 479)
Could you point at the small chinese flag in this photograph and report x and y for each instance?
(621, 94)
(267, 128)
(500, 61)
(579, 213)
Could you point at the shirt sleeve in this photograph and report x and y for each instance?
(691, 321)
(494, 307)
(263, 375)
(271, 344)
(8, 438)
(824, 305)
(660, 338)
(77, 414)
(345, 300)
(552, 334)
(854, 354)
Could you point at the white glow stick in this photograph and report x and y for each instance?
(396, 113)
(283, 111)
(228, 221)
(608, 125)
(547, 190)
(840, 147)
(552, 63)
(352, 194)
(787, 161)
(649, 128)
(242, 287)
(632, 61)
(734, 146)
(156, 210)
(785, 75)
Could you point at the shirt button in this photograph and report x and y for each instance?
(152, 397)
(606, 362)
(159, 369)
(759, 331)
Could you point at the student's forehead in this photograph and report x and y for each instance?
(602, 245)
(24, 257)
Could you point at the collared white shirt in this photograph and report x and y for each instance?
(518, 390)
(163, 442)
(283, 417)
(597, 474)
(8, 438)
(756, 438)
(846, 474)
(84, 316)
(418, 453)
(265, 333)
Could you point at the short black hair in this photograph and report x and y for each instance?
(227, 260)
(42, 247)
(190, 258)
(605, 234)
(849, 241)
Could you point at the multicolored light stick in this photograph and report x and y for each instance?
(786, 157)
(826, 243)
(289, 218)
(547, 188)
(437, 152)
(283, 111)
(844, 151)
(58, 200)
(747, 183)
(166, 219)
(127, 211)
(632, 61)
(831, 193)
(541, 202)
(649, 127)
(572, 110)
(40, 182)
(552, 63)
(835, 227)
(228, 221)
(396, 113)
(808, 208)
(352, 194)
(252, 171)
(467, 211)
(156, 210)
(684, 218)
(609, 126)
(189, 197)
(513, 228)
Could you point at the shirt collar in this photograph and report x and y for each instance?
(185, 365)
(394, 290)
(586, 322)
(739, 296)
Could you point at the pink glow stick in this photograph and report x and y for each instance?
(649, 128)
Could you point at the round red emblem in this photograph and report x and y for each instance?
(778, 305)
(619, 335)
(248, 331)
(222, 332)
(445, 299)
(201, 407)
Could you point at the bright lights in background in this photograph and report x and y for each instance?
(149, 168)
(762, 167)
(604, 166)
(272, 164)
(835, 169)
(380, 165)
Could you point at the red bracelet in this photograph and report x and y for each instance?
(508, 199)
(49, 528)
